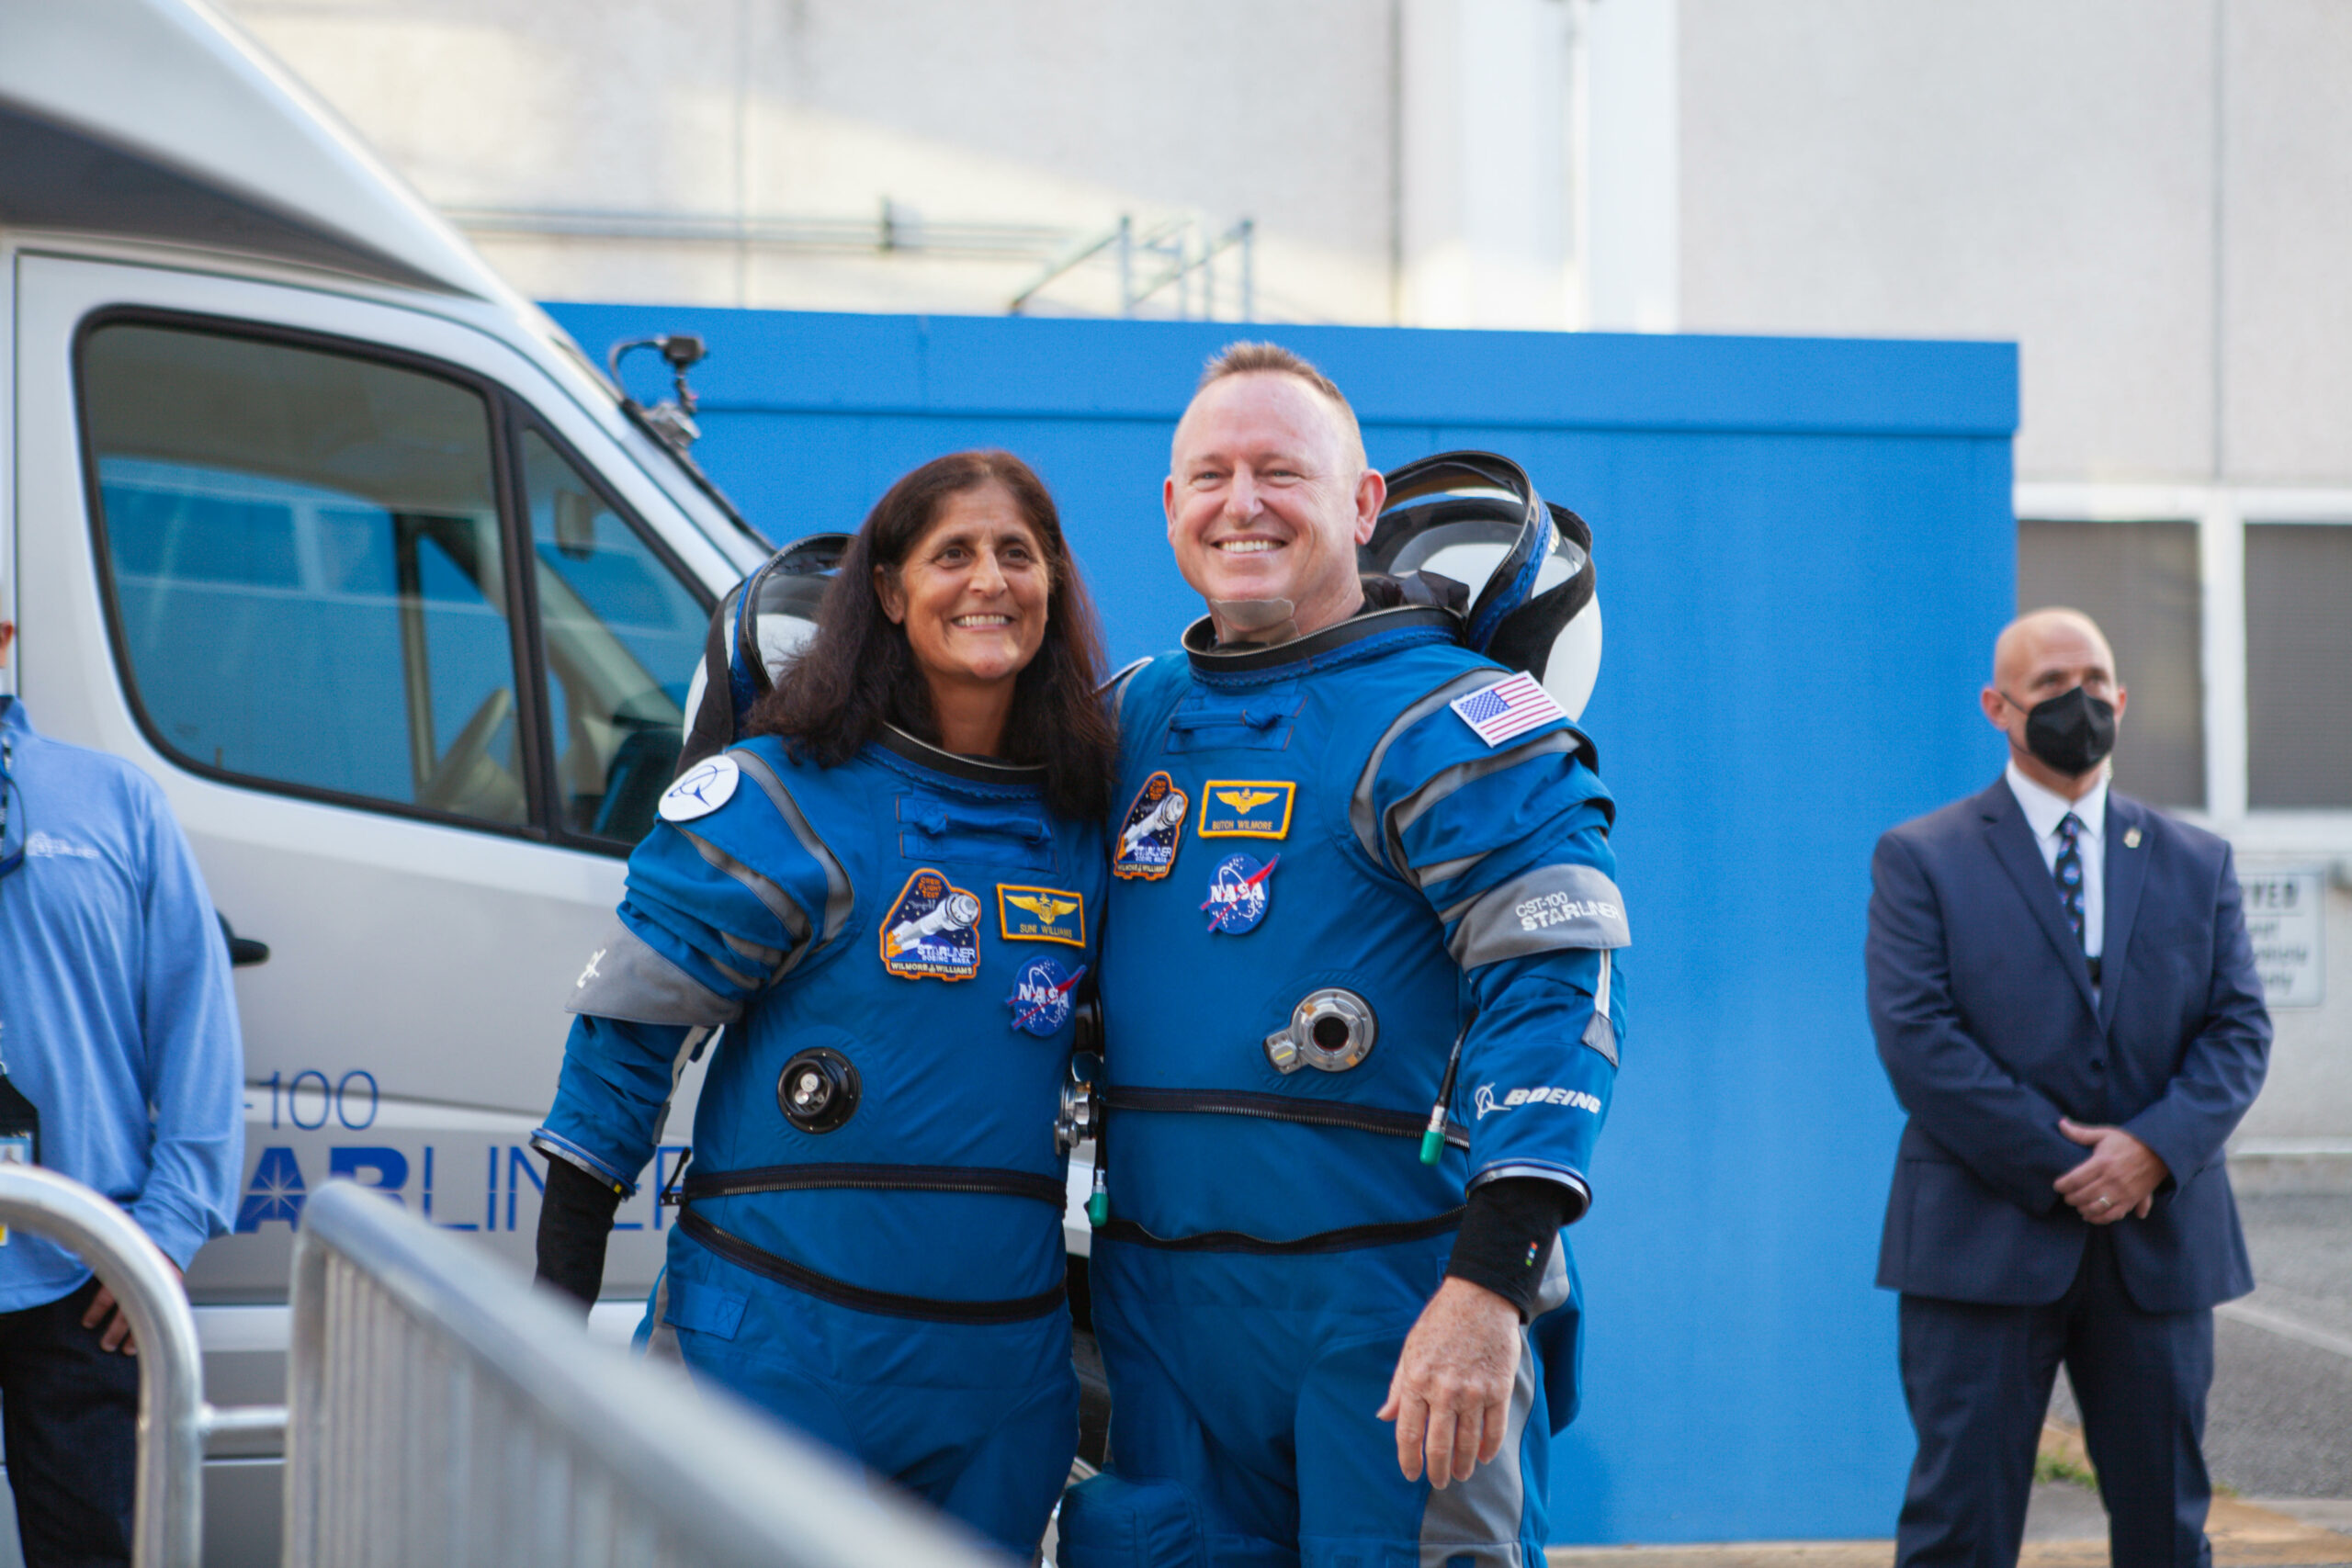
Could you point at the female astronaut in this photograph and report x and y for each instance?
(887, 895)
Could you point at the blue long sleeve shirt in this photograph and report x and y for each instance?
(116, 1019)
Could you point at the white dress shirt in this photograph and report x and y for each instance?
(2044, 810)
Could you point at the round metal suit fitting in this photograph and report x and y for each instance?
(818, 1089)
(1330, 1030)
(1081, 1105)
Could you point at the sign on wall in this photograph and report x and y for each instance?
(2285, 913)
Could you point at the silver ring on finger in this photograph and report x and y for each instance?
(2106, 1203)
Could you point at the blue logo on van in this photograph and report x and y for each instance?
(276, 1192)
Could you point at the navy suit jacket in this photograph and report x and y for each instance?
(1990, 1029)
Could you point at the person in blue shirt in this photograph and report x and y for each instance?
(119, 1027)
(1361, 1030)
(887, 897)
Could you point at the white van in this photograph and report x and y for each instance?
(349, 548)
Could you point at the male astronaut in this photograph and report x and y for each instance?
(1385, 851)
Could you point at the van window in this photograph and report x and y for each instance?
(621, 635)
(303, 548)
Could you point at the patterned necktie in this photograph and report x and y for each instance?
(2069, 872)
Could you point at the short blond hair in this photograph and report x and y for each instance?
(1273, 359)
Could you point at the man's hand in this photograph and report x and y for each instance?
(1450, 1393)
(118, 1333)
(2119, 1177)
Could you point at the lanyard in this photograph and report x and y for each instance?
(9, 859)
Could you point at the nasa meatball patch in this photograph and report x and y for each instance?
(932, 932)
(1238, 894)
(1043, 996)
(1150, 831)
(701, 790)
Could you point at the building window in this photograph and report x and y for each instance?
(2140, 582)
(2298, 665)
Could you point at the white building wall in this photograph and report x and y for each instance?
(1487, 152)
(1050, 115)
(2287, 202)
(2006, 169)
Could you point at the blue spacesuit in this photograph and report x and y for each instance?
(870, 1240)
(1340, 861)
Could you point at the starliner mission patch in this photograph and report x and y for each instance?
(1149, 832)
(932, 932)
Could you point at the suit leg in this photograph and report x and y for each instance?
(2142, 1378)
(1977, 1379)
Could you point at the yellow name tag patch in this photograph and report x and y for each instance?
(1041, 913)
(1246, 808)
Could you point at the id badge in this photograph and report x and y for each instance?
(16, 1148)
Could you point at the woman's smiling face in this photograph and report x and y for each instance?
(972, 592)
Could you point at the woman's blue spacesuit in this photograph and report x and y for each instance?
(870, 1241)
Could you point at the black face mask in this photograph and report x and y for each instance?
(2073, 732)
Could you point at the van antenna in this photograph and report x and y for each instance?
(672, 423)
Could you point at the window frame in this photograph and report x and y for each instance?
(2220, 514)
(506, 415)
(520, 419)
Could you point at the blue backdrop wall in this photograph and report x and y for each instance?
(1804, 549)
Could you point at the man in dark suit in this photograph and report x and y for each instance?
(2065, 998)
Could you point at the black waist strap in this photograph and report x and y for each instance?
(1344, 1240)
(824, 1287)
(1278, 1108)
(870, 1178)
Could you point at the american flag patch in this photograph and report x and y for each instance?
(1507, 707)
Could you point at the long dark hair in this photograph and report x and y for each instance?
(858, 673)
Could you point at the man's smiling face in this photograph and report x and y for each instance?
(1267, 499)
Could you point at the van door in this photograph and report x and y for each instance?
(404, 637)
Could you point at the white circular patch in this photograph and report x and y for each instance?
(705, 787)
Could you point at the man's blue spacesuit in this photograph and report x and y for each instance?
(870, 1241)
(1335, 858)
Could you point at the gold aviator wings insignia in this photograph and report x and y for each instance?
(1046, 910)
(1244, 800)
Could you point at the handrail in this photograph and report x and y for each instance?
(167, 1529)
(444, 1411)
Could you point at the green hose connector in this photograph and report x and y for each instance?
(1098, 1206)
(1434, 1140)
